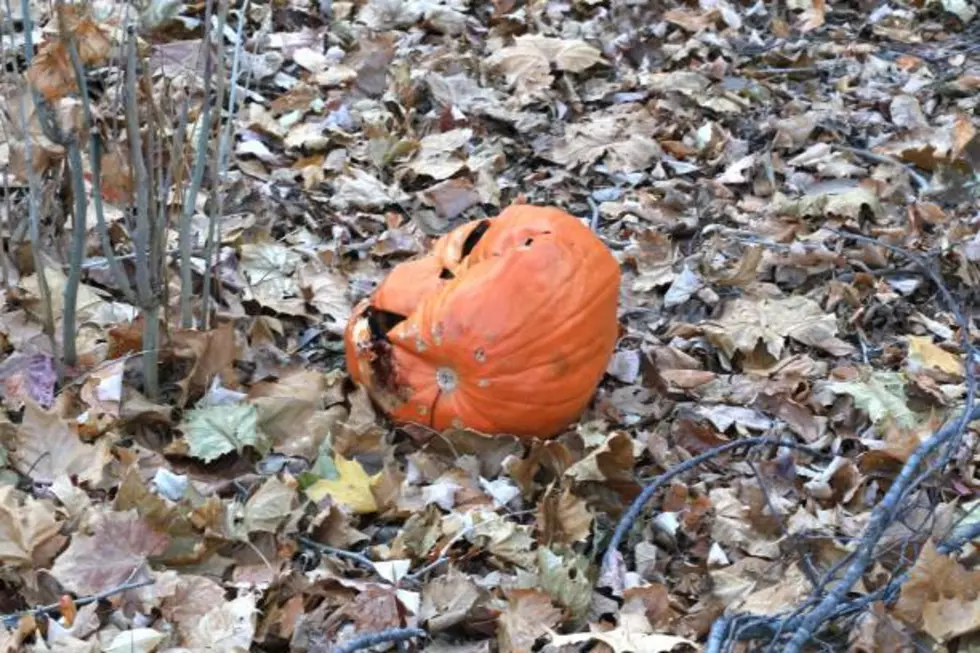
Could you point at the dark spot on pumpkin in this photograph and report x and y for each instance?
(559, 365)
(382, 363)
(447, 274)
(474, 237)
(481, 355)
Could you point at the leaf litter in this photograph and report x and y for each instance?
(719, 149)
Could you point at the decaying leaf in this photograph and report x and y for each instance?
(632, 634)
(117, 551)
(527, 63)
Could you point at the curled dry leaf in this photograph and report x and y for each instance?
(51, 73)
(528, 616)
(563, 518)
(527, 63)
(940, 596)
(26, 524)
(634, 633)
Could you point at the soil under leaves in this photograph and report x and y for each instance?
(722, 151)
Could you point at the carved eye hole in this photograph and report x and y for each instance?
(474, 237)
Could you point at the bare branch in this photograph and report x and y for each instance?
(360, 559)
(382, 637)
(214, 229)
(612, 557)
(919, 180)
(197, 177)
(95, 162)
(10, 620)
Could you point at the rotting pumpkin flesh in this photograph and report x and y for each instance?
(506, 326)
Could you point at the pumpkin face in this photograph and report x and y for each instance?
(506, 326)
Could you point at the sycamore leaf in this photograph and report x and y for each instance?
(114, 553)
(23, 526)
(528, 616)
(631, 636)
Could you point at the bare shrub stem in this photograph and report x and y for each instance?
(197, 177)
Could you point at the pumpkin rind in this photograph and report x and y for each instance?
(511, 336)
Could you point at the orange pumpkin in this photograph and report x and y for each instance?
(506, 326)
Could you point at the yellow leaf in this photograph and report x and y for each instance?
(923, 353)
(352, 487)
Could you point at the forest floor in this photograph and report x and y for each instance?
(790, 189)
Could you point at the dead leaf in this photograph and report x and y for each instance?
(632, 634)
(116, 552)
(528, 616)
(26, 524)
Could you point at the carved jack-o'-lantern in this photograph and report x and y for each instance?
(506, 326)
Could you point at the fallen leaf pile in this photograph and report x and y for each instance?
(721, 150)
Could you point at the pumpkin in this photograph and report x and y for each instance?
(505, 327)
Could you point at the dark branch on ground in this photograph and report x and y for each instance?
(368, 640)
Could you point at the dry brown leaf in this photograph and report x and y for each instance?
(51, 73)
(26, 524)
(48, 447)
(622, 134)
(528, 616)
(563, 518)
(453, 599)
(940, 596)
(746, 322)
(115, 552)
(923, 354)
(633, 633)
(527, 63)
(229, 626)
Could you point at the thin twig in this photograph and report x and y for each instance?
(88, 124)
(214, 224)
(368, 640)
(33, 202)
(141, 237)
(786, 71)
(197, 177)
(920, 181)
(360, 559)
(5, 255)
(10, 620)
(77, 253)
(79, 227)
(594, 220)
(610, 558)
